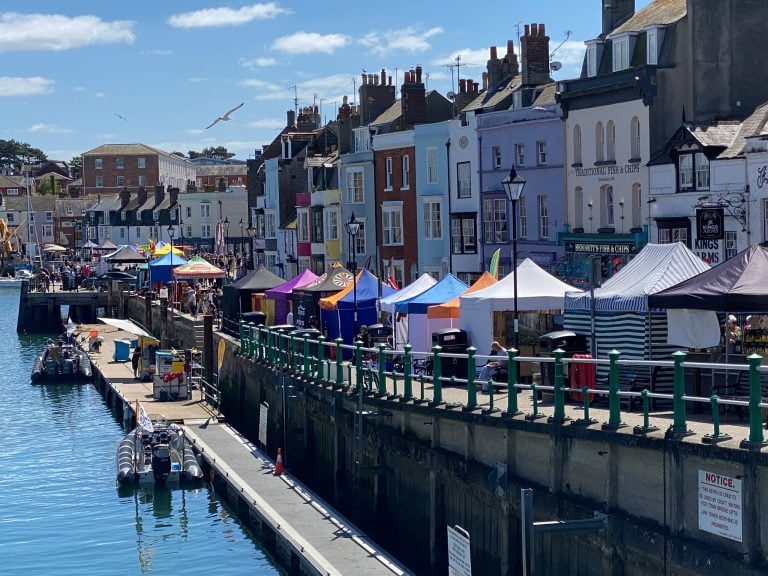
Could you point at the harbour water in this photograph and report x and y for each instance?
(61, 513)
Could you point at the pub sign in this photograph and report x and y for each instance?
(710, 223)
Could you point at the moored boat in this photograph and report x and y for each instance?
(156, 452)
(61, 360)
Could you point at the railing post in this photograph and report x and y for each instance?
(421, 386)
(320, 357)
(437, 383)
(756, 436)
(646, 427)
(407, 375)
(512, 407)
(270, 357)
(305, 353)
(679, 423)
(534, 403)
(339, 361)
(471, 386)
(614, 400)
(241, 325)
(359, 366)
(381, 365)
(259, 342)
(251, 340)
(716, 435)
(559, 397)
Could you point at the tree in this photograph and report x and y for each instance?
(76, 162)
(179, 154)
(47, 186)
(217, 152)
(14, 154)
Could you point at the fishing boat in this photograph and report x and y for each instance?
(16, 280)
(156, 452)
(61, 361)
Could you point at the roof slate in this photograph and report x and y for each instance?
(755, 125)
(547, 96)
(127, 149)
(8, 182)
(223, 170)
(492, 97)
(715, 135)
(660, 12)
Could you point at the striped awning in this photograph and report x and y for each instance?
(655, 268)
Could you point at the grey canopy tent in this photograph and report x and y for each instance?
(237, 296)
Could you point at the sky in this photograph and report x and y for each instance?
(78, 74)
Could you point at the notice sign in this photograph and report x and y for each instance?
(263, 411)
(459, 560)
(720, 505)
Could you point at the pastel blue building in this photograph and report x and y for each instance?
(432, 198)
(530, 139)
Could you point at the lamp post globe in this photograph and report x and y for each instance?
(513, 187)
(251, 230)
(226, 234)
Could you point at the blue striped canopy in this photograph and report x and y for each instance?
(655, 268)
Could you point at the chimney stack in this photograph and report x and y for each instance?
(174, 196)
(534, 50)
(142, 197)
(375, 97)
(159, 194)
(290, 118)
(413, 99)
(615, 13)
(125, 198)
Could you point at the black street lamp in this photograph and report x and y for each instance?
(251, 233)
(513, 186)
(353, 229)
(242, 224)
(226, 234)
(171, 233)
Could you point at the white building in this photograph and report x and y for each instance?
(201, 210)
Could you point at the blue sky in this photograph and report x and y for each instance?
(78, 74)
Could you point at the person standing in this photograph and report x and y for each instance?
(135, 360)
(734, 335)
(492, 367)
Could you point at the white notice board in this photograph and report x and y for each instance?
(720, 505)
(459, 560)
(263, 411)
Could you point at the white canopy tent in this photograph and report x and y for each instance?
(388, 304)
(537, 290)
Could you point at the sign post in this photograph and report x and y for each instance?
(459, 557)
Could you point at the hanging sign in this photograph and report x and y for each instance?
(710, 223)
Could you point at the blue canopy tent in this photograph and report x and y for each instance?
(161, 270)
(338, 314)
(419, 335)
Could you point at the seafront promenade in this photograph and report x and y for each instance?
(305, 533)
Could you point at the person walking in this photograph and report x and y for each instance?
(135, 359)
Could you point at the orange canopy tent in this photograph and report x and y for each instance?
(450, 309)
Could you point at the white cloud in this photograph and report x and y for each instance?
(571, 56)
(58, 32)
(98, 94)
(310, 42)
(410, 39)
(50, 129)
(216, 17)
(29, 86)
(198, 79)
(261, 62)
(79, 89)
(156, 52)
(262, 84)
(195, 131)
(266, 123)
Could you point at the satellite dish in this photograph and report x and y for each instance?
(555, 66)
(451, 95)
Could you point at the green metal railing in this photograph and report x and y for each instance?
(397, 373)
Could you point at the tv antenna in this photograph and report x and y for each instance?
(458, 64)
(554, 65)
(295, 99)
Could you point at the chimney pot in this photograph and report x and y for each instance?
(474, 87)
(365, 79)
(418, 74)
(541, 30)
(383, 77)
(462, 86)
(534, 29)
(485, 80)
(390, 81)
(493, 53)
(510, 47)
(527, 30)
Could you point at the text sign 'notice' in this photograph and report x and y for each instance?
(459, 561)
(720, 505)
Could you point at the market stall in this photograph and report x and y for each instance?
(399, 322)
(247, 294)
(306, 299)
(281, 295)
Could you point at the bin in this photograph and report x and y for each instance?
(255, 317)
(380, 334)
(567, 341)
(452, 341)
(164, 359)
(122, 351)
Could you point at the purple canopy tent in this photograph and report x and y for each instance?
(282, 294)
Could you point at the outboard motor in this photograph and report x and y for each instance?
(68, 366)
(51, 367)
(161, 462)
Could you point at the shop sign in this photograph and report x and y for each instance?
(608, 170)
(601, 247)
(709, 223)
(720, 505)
(707, 250)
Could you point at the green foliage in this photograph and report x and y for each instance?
(47, 186)
(76, 162)
(13, 154)
(218, 152)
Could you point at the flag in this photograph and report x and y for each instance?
(493, 269)
(391, 279)
(70, 327)
(144, 420)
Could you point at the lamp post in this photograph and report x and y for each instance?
(241, 239)
(251, 233)
(353, 229)
(226, 234)
(171, 233)
(513, 186)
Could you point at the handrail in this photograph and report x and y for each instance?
(347, 365)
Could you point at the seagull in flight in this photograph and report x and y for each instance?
(123, 118)
(225, 117)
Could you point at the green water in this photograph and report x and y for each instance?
(61, 513)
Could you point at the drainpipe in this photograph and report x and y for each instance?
(479, 225)
(450, 209)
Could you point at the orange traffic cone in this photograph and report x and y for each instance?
(279, 464)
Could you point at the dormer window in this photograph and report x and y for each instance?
(653, 37)
(594, 51)
(623, 46)
(693, 172)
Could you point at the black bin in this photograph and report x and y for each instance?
(452, 341)
(380, 334)
(567, 341)
(255, 317)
